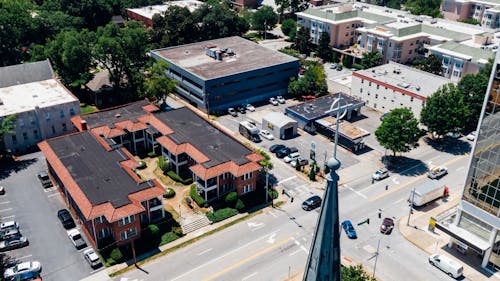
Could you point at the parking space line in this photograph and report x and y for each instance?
(287, 179)
(6, 202)
(5, 210)
(8, 217)
(53, 194)
(24, 257)
(97, 270)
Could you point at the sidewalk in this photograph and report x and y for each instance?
(437, 242)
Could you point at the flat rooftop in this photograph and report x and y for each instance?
(212, 142)
(150, 11)
(410, 79)
(25, 97)
(464, 51)
(316, 109)
(97, 172)
(247, 56)
(108, 117)
(25, 73)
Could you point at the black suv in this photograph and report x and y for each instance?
(275, 147)
(44, 179)
(285, 151)
(66, 219)
(312, 203)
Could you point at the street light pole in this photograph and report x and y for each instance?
(411, 206)
(267, 184)
(376, 258)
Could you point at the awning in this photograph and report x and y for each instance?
(464, 236)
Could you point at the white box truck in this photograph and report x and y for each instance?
(425, 194)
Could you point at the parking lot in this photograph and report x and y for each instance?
(35, 209)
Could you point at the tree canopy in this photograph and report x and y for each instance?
(399, 131)
(432, 64)
(371, 59)
(264, 19)
(323, 49)
(355, 273)
(288, 26)
(424, 7)
(303, 40)
(157, 85)
(313, 82)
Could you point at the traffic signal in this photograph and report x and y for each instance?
(365, 221)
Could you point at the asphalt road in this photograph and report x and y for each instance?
(35, 209)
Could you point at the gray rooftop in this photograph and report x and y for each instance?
(114, 115)
(247, 56)
(25, 73)
(97, 172)
(416, 81)
(212, 142)
(317, 108)
(468, 52)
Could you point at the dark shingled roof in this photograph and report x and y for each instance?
(97, 172)
(25, 73)
(213, 143)
(108, 117)
(315, 109)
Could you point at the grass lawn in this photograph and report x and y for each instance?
(87, 109)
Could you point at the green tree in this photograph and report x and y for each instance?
(282, 6)
(313, 82)
(432, 64)
(371, 59)
(355, 273)
(444, 111)
(347, 61)
(157, 85)
(303, 40)
(288, 26)
(424, 7)
(298, 6)
(174, 27)
(470, 21)
(323, 49)
(216, 20)
(94, 13)
(399, 131)
(472, 88)
(7, 125)
(264, 19)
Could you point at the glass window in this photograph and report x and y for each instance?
(25, 136)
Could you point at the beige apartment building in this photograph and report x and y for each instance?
(485, 12)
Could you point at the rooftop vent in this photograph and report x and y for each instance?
(1, 102)
(397, 71)
(403, 85)
(118, 115)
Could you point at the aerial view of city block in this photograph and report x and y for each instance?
(242, 140)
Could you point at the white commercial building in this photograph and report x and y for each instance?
(280, 125)
(394, 85)
(42, 105)
(145, 14)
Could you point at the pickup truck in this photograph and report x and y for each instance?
(76, 238)
(44, 179)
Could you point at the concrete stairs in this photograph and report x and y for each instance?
(195, 225)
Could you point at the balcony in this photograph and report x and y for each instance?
(206, 185)
(155, 202)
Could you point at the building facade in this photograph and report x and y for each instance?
(217, 74)
(394, 85)
(145, 14)
(42, 105)
(484, 12)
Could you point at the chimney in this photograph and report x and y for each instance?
(83, 123)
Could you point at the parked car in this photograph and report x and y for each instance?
(333, 66)
(349, 229)
(387, 226)
(9, 233)
(28, 276)
(275, 147)
(471, 136)
(13, 243)
(280, 99)
(66, 219)
(437, 172)
(283, 152)
(249, 107)
(273, 101)
(383, 116)
(265, 134)
(380, 174)
(454, 135)
(44, 179)
(9, 225)
(21, 268)
(232, 112)
(311, 203)
(242, 110)
(339, 67)
(291, 157)
(2, 190)
(76, 238)
(449, 266)
(92, 258)
(300, 161)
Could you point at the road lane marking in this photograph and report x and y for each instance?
(412, 181)
(204, 252)
(8, 217)
(224, 255)
(245, 260)
(6, 202)
(271, 238)
(5, 210)
(460, 168)
(296, 252)
(272, 214)
(400, 200)
(287, 179)
(355, 191)
(249, 276)
(395, 180)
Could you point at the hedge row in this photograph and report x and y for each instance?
(221, 214)
(196, 197)
(168, 237)
(177, 178)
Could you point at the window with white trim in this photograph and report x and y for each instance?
(126, 220)
(247, 176)
(247, 188)
(129, 233)
(100, 219)
(104, 232)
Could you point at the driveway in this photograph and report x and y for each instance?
(35, 209)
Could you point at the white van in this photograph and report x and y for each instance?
(451, 267)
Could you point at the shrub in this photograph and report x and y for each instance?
(142, 165)
(273, 194)
(196, 197)
(168, 237)
(169, 194)
(162, 164)
(312, 173)
(357, 66)
(240, 206)
(154, 230)
(177, 178)
(231, 198)
(221, 214)
(326, 170)
(110, 262)
(177, 230)
(151, 154)
(116, 255)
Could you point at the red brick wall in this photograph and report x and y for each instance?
(117, 230)
(240, 183)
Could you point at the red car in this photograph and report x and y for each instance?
(387, 226)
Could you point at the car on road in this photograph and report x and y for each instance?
(242, 109)
(387, 226)
(9, 225)
(249, 107)
(92, 258)
(311, 203)
(76, 238)
(273, 101)
(232, 112)
(349, 229)
(380, 174)
(280, 99)
(300, 161)
(44, 179)
(13, 243)
(449, 266)
(471, 136)
(275, 147)
(265, 134)
(292, 156)
(437, 172)
(66, 219)
(22, 268)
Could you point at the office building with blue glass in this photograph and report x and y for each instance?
(227, 72)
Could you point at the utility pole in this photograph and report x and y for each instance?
(376, 258)
(267, 184)
(411, 206)
(133, 252)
